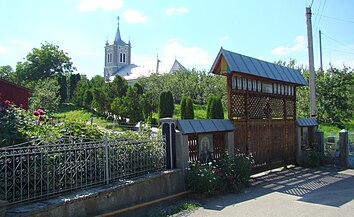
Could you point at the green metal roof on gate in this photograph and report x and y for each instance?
(204, 126)
(252, 66)
(306, 122)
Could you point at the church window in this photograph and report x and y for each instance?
(120, 57)
(124, 58)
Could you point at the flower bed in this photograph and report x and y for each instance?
(227, 174)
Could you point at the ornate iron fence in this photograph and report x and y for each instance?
(35, 172)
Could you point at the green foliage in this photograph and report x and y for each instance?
(199, 85)
(187, 111)
(227, 174)
(73, 80)
(10, 121)
(214, 109)
(6, 72)
(129, 106)
(335, 96)
(44, 62)
(177, 209)
(166, 105)
(202, 178)
(313, 158)
(18, 126)
(45, 95)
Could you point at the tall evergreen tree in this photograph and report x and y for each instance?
(166, 105)
(187, 111)
(214, 109)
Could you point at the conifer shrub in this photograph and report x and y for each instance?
(214, 108)
(187, 110)
(166, 105)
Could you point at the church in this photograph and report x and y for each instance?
(118, 61)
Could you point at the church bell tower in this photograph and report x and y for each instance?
(117, 55)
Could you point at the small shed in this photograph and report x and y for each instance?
(207, 139)
(261, 105)
(15, 93)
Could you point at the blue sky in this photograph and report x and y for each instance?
(191, 31)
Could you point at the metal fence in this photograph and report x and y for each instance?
(35, 172)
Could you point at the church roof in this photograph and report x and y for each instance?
(228, 62)
(131, 72)
(118, 40)
(177, 66)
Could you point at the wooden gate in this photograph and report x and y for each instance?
(265, 127)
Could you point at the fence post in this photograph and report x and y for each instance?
(106, 153)
(319, 141)
(169, 132)
(343, 147)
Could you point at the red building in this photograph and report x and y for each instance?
(15, 93)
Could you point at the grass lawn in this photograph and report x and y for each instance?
(328, 129)
(73, 113)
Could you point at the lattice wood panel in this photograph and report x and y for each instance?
(238, 108)
(277, 108)
(257, 107)
(290, 109)
(193, 148)
(219, 145)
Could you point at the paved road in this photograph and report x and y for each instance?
(327, 191)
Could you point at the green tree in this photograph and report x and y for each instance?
(148, 106)
(215, 110)
(187, 111)
(166, 105)
(6, 72)
(63, 90)
(45, 95)
(335, 96)
(73, 80)
(82, 86)
(44, 62)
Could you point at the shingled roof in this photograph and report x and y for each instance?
(229, 62)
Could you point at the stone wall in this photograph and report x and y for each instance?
(107, 198)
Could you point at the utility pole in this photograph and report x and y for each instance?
(311, 64)
(320, 41)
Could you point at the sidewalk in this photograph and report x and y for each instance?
(325, 191)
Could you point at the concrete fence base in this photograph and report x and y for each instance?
(108, 198)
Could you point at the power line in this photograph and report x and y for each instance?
(339, 19)
(341, 51)
(337, 41)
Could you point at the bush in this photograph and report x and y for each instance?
(227, 174)
(313, 158)
(202, 178)
(166, 105)
(187, 111)
(18, 126)
(214, 109)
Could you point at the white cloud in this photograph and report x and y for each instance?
(174, 10)
(92, 5)
(21, 45)
(189, 57)
(283, 50)
(134, 16)
(3, 50)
